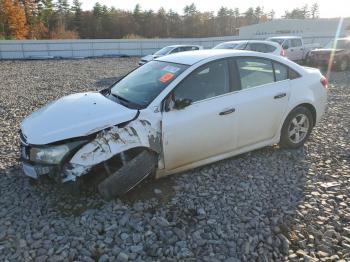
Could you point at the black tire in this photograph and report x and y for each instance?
(286, 141)
(128, 176)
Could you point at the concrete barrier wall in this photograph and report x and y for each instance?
(37, 49)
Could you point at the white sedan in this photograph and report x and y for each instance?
(172, 114)
(253, 45)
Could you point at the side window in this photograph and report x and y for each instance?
(205, 82)
(194, 48)
(295, 42)
(255, 72)
(292, 74)
(281, 72)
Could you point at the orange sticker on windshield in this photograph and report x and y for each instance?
(166, 77)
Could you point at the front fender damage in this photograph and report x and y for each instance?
(110, 142)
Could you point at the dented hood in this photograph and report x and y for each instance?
(73, 116)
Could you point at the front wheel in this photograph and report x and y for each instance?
(129, 175)
(296, 128)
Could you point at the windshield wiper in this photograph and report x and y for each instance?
(123, 101)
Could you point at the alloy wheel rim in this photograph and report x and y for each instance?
(298, 128)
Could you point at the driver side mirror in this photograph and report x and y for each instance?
(182, 103)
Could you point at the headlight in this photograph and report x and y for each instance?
(49, 155)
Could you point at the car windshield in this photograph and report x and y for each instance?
(339, 44)
(230, 46)
(164, 50)
(277, 40)
(141, 86)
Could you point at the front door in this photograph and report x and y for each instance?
(205, 128)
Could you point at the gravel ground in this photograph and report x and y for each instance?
(267, 205)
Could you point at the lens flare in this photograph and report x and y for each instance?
(337, 35)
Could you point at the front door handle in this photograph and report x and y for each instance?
(226, 112)
(280, 96)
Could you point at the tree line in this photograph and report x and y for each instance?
(49, 19)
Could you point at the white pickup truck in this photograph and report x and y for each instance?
(294, 47)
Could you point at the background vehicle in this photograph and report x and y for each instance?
(175, 113)
(294, 47)
(253, 45)
(339, 49)
(171, 49)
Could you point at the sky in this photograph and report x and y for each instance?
(328, 8)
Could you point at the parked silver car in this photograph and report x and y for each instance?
(171, 49)
(253, 45)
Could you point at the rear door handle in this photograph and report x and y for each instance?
(226, 112)
(280, 96)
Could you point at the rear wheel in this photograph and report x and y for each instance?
(296, 128)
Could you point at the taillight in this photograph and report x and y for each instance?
(283, 53)
(324, 82)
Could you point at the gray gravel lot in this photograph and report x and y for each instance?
(267, 205)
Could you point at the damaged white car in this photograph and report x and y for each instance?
(172, 114)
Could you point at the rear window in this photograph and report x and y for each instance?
(261, 47)
(164, 50)
(230, 46)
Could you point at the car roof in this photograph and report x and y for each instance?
(252, 41)
(235, 42)
(193, 57)
(180, 45)
(285, 37)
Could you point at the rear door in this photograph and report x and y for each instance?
(262, 99)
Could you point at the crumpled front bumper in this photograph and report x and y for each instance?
(62, 172)
(37, 170)
(34, 170)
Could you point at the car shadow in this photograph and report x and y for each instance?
(255, 195)
(165, 188)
